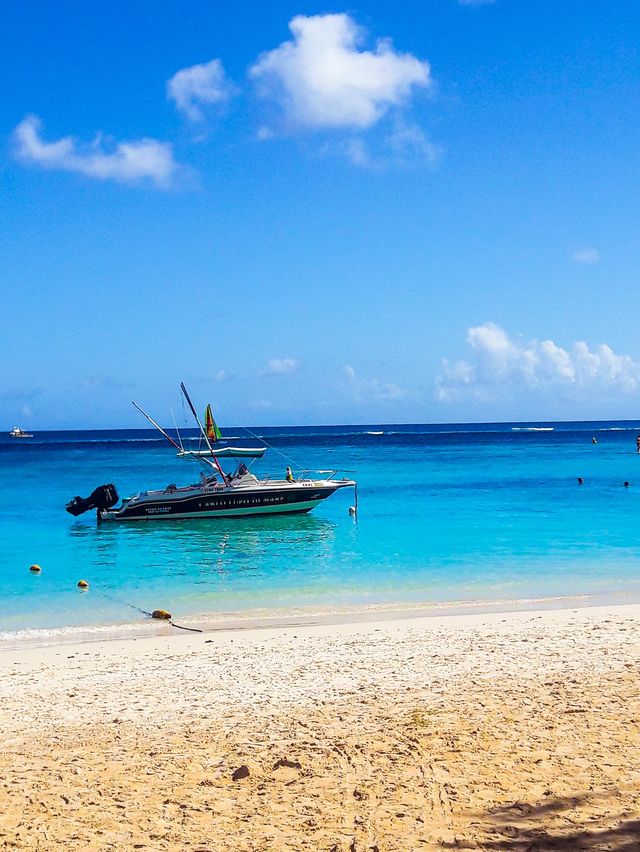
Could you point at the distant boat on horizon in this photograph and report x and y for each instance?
(17, 432)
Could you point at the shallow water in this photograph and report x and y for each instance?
(447, 513)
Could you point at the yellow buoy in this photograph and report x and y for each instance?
(82, 584)
(35, 569)
(161, 613)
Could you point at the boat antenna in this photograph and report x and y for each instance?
(202, 432)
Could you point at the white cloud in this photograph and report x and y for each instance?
(501, 365)
(141, 160)
(475, 2)
(405, 145)
(409, 141)
(323, 80)
(198, 86)
(371, 390)
(221, 376)
(265, 132)
(586, 255)
(281, 367)
(357, 150)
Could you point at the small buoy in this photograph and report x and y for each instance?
(161, 613)
(82, 584)
(626, 484)
(352, 511)
(35, 569)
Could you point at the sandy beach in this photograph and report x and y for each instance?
(516, 731)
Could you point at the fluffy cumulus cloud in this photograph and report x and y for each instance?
(370, 389)
(322, 78)
(281, 367)
(502, 364)
(137, 161)
(192, 89)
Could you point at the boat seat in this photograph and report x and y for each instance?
(171, 488)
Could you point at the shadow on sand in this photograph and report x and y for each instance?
(563, 824)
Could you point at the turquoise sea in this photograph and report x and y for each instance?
(448, 514)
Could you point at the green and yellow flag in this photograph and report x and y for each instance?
(211, 427)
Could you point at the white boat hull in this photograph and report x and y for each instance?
(246, 499)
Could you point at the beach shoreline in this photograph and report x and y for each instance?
(169, 640)
(318, 615)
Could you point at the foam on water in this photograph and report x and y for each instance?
(532, 428)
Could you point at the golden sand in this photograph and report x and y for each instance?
(502, 732)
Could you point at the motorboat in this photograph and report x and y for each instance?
(217, 494)
(242, 495)
(17, 432)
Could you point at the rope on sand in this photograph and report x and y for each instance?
(182, 627)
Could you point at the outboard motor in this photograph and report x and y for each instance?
(104, 497)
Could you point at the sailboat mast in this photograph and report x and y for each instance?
(202, 431)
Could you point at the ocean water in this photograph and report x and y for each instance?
(448, 514)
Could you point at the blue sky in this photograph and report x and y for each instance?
(379, 212)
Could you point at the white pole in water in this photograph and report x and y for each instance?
(353, 510)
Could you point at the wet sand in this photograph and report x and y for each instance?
(516, 731)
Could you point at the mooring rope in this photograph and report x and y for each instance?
(143, 611)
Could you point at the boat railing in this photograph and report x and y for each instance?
(329, 474)
(305, 474)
